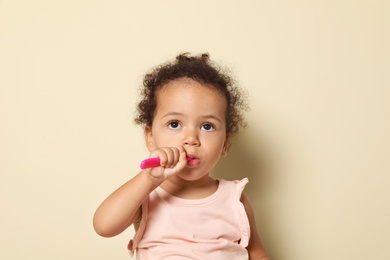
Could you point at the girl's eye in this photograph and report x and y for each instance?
(174, 125)
(208, 127)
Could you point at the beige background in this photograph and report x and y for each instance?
(317, 150)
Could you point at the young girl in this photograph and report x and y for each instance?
(190, 109)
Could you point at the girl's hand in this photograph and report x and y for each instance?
(172, 161)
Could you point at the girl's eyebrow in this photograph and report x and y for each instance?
(172, 114)
(212, 117)
(181, 114)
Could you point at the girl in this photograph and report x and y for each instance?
(190, 109)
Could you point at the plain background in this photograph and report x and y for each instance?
(316, 152)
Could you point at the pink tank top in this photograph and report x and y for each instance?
(215, 227)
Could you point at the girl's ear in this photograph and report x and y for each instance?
(149, 138)
(225, 147)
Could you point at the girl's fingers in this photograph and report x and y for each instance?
(172, 161)
(169, 156)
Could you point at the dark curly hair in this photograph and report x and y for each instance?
(202, 70)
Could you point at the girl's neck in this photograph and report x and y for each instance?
(184, 189)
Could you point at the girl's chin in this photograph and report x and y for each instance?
(189, 175)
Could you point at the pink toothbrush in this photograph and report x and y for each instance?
(154, 162)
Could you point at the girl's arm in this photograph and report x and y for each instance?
(123, 207)
(255, 248)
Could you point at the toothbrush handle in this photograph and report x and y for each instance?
(154, 162)
(150, 163)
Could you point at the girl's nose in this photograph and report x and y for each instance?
(191, 138)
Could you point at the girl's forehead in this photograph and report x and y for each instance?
(189, 92)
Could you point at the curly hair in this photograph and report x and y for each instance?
(202, 70)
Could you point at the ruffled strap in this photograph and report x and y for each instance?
(133, 243)
(242, 216)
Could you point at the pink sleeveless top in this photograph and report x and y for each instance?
(215, 227)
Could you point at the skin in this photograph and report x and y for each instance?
(189, 122)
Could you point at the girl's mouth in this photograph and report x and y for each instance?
(192, 161)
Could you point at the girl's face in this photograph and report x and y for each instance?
(192, 115)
